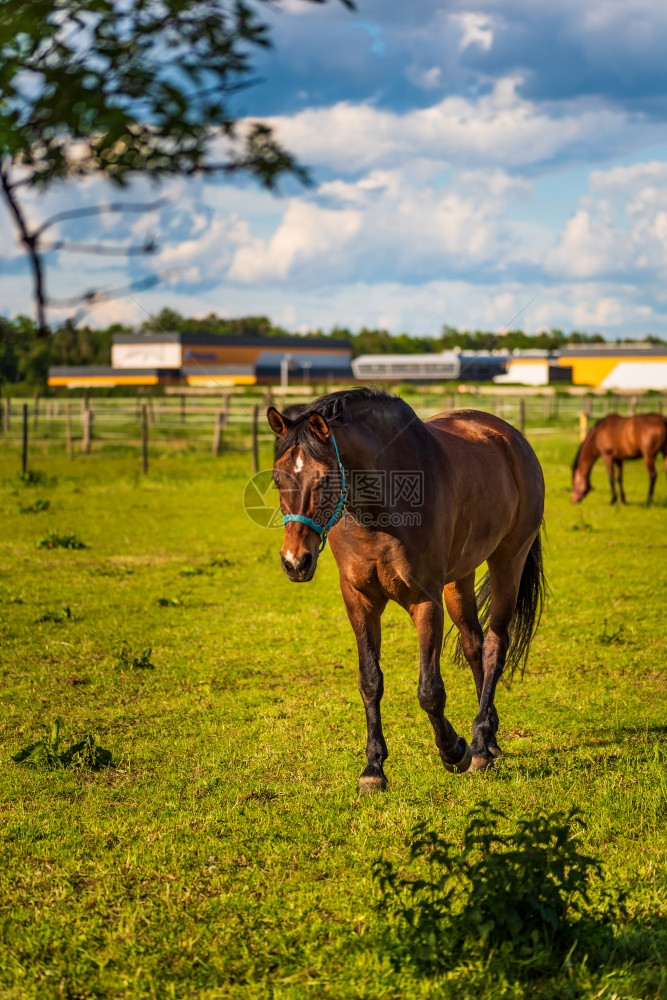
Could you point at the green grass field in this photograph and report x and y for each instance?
(227, 853)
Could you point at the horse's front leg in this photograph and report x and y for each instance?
(365, 615)
(428, 617)
(609, 466)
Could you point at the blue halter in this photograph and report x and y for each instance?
(324, 531)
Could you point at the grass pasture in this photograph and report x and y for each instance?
(227, 853)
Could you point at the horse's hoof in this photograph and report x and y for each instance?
(372, 783)
(462, 765)
(481, 763)
(495, 751)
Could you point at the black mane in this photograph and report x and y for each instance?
(339, 408)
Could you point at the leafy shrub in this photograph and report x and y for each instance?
(518, 896)
(613, 635)
(134, 661)
(36, 507)
(56, 617)
(85, 754)
(35, 477)
(55, 540)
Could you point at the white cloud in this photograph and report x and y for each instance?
(496, 128)
(476, 30)
(621, 226)
(306, 235)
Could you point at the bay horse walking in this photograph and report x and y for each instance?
(411, 509)
(615, 439)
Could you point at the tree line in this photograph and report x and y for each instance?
(25, 356)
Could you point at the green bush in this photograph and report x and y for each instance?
(85, 754)
(56, 540)
(520, 897)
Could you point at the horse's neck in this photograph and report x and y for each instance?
(380, 468)
(589, 453)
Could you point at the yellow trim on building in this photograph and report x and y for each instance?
(100, 381)
(221, 380)
(593, 371)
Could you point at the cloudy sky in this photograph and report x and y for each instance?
(484, 165)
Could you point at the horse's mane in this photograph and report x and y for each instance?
(377, 408)
(588, 434)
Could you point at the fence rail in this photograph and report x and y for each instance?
(235, 423)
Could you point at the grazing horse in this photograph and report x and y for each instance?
(615, 439)
(411, 509)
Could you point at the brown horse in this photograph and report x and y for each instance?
(615, 439)
(413, 508)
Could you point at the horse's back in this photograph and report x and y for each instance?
(630, 437)
(476, 427)
(465, 434)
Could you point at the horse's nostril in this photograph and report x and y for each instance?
(305, 562)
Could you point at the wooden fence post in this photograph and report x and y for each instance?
(68, 431)
(87, 422)
(255, 442)
(583, 425)
(6, 415)
(522, 415)
(24, 447)
(183, 409)
(633, 405)
(144, 439)
(220, 421)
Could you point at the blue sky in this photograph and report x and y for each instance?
(475, 164)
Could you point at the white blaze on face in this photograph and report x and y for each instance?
(298, 465)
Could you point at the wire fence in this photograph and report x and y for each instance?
(234, 421)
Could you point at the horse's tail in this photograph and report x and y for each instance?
(529, 604)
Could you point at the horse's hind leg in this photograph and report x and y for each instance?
(428, 617)
(649, 461)
(618, 465)
(505, 579)
(461, 603)
(365, 615)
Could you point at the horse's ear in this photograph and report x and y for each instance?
(319, 427)
(278, 422)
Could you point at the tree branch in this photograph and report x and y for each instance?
(95, 296)
(150, 246)
(30, 242)
(115, 206)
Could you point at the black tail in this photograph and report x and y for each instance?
(529, 604)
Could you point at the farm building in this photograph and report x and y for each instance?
(206, 360)
(407, 367)
(636, 366)
(477, 366)
(534, 368)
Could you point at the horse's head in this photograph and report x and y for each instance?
(311, 491)
(581, 485)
